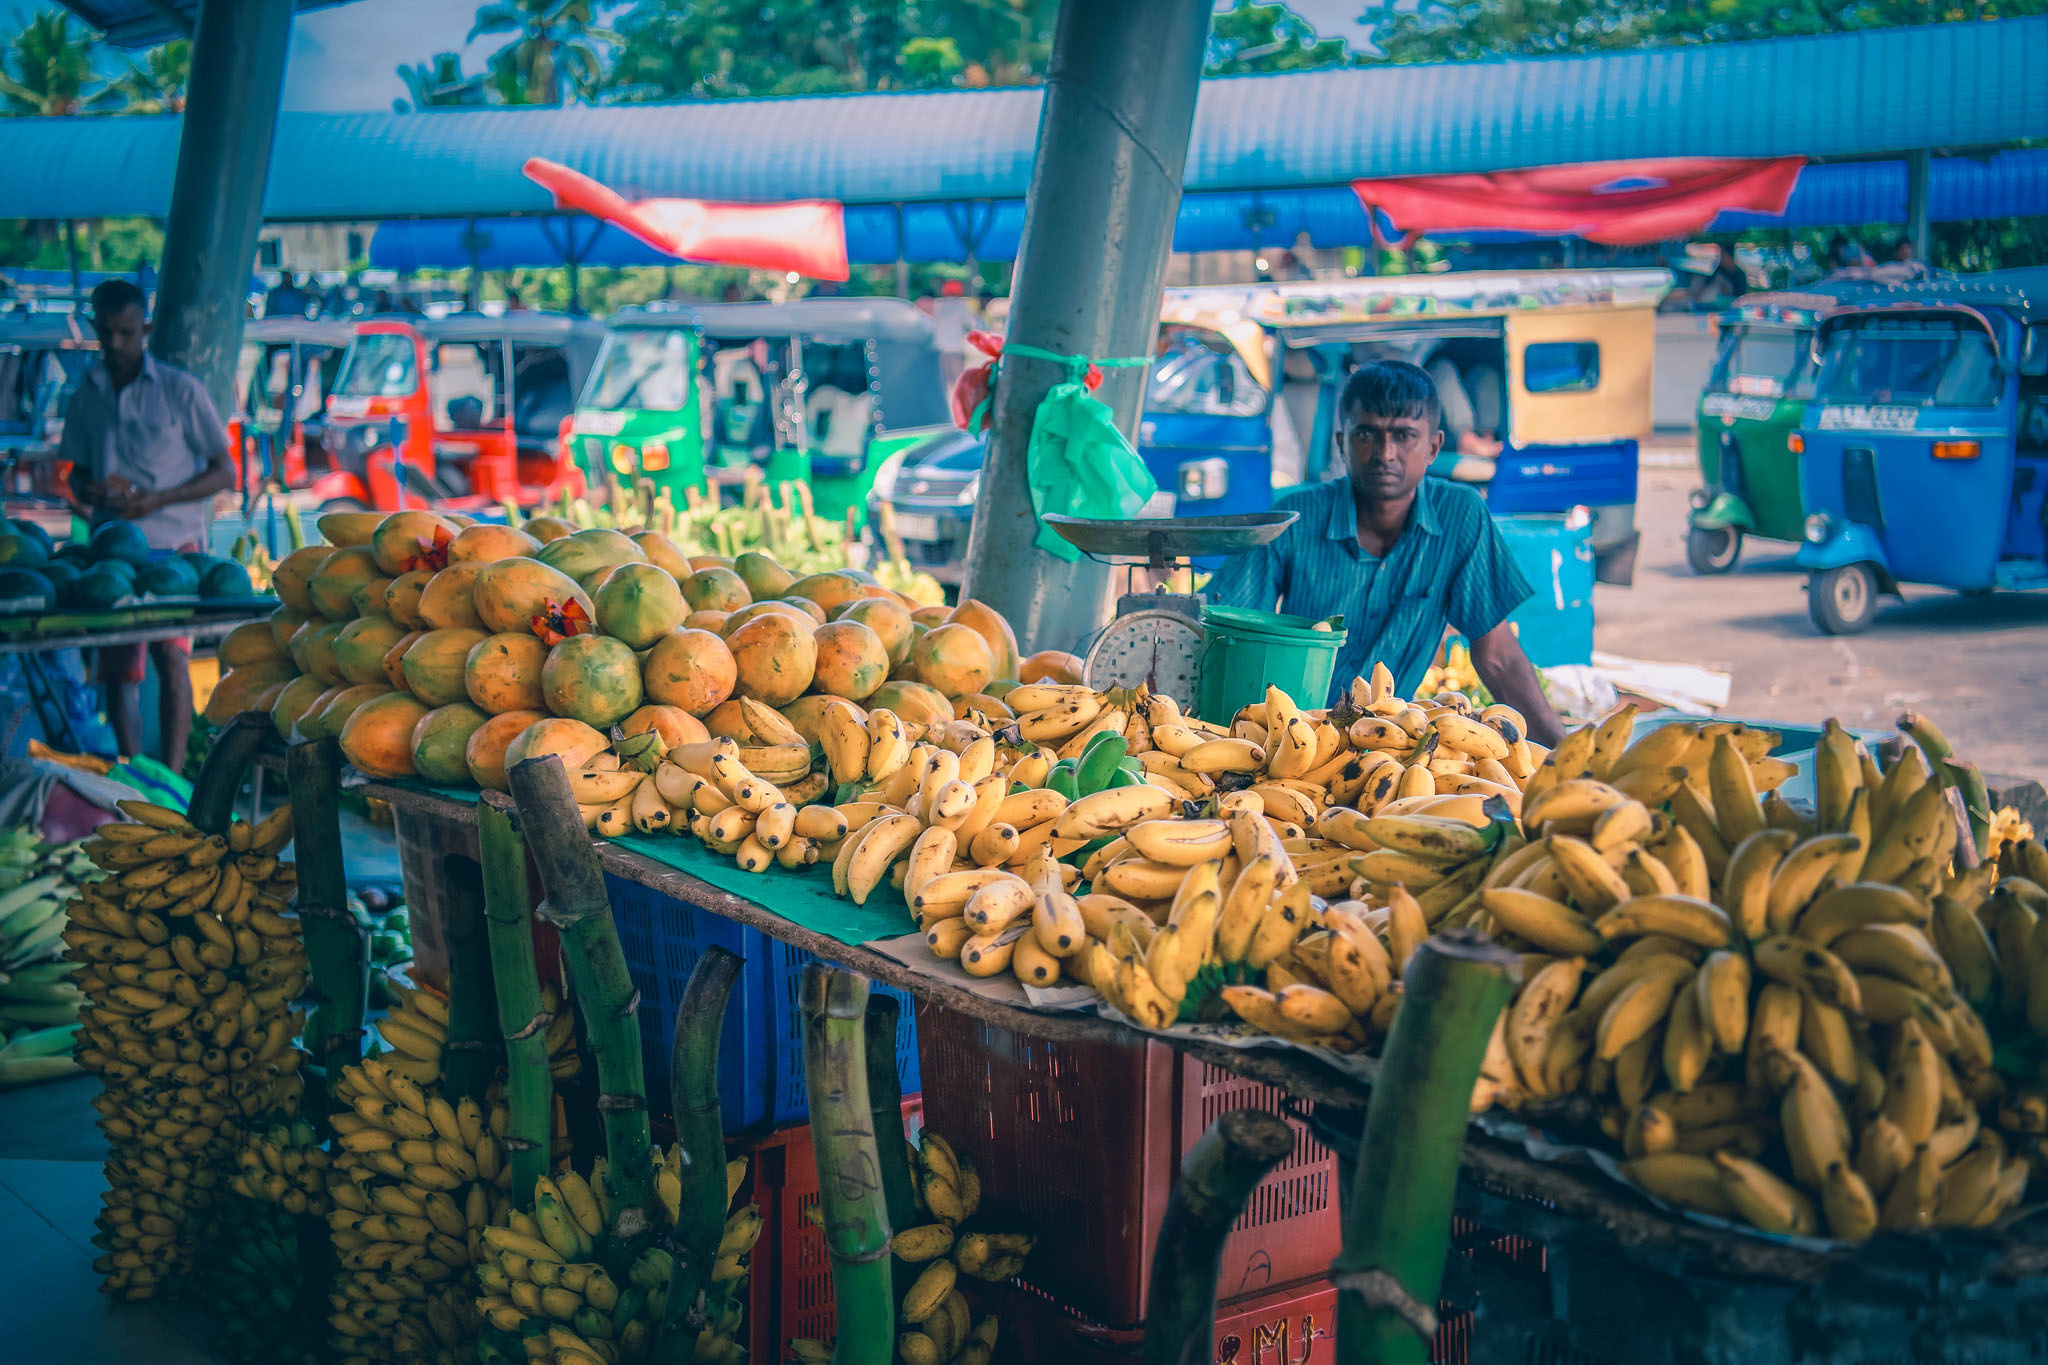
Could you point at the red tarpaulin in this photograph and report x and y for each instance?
(1621, 203)
(804, 235)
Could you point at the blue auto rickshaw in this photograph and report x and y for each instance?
(1926, 445)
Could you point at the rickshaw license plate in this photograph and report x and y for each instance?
(912, 526)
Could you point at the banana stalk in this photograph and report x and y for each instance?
(1965, 778)
(469, 1059)
(1397, 1221)
(885, 1106)
(508, 919)
(235, 745)
(1216, 1179)
(576, 905)
(851, 1197)
(700, 1135)
(337, 950)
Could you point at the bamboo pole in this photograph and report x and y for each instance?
(469, 1059)
(850, 1194)
(885, 1103)
(337, 950)
(1216, 1178)
(212, 807)
(700, 1138)
(1397, 1221)
(578, 908)
(522, 1017)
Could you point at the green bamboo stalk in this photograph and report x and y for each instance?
(700, 1136)
(578, 908)
(469, 1059)
(1397, 1221)
(1217, 1177)
(883, 1018)
(850, 1194)
(337, 949)
(235, 745)
(522, 1016)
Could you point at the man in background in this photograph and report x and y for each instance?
(287, 300)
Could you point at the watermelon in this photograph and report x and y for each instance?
(36, 533)
(120, 540)
(21, 551)
(225, 578)
(171, 577)
(103, 586)
(17, 582)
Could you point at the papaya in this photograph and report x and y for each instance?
(545, 529)
(817, 614)
(734, 620)
(993, 629)
(570, 740)
(992, 707)
(435, 666)
(286, 622)
(887, 619)
(403, 537)
(763, 576)
(1050, 665)
(332, 709)
(662, 552)
(248, 644)
(486, 542)
(332, 586)
(360, 647)
(851, 660)
(292, 575)
(690, 669)
(394, 660)
(485, 751)
(930, 616)
(592, 678)
(402, 597)
(710, 562)
(291, 703)
(440, 742)
(672, 723)
(639, 603)
(448, 602)
(829, 589)
(313, 652)
(717, 622)
(239, 688)
(585, 552)
(511, 592)
(807, 714)
(596, 579)
(502, 672)
(913, 701)
(715, 589)
(955, 659)
(377, 737)
(727, 721)
(340, 529)
(369, 599)
(773, 656)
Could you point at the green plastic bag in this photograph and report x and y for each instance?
(1080, 465)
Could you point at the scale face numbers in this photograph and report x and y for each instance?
(1160, 649)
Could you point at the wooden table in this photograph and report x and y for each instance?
(199, 628)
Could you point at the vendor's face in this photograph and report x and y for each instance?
(122, 336)
(1387, 455)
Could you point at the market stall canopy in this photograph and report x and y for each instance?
(139, 23)
(1955, 86)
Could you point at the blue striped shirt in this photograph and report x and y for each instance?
(1449, 566)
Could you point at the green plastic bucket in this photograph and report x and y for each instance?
(1247, 650)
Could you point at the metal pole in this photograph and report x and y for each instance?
(71, 258)
(1098, 230)
(238, 60)
(1917, 165)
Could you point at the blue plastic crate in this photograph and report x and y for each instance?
(1555, 626)
(760, 1055)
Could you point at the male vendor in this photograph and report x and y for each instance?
(1397, 555)
(146, 445)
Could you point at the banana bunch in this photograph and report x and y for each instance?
(284, 1164)
(188, 961)
(2008, 830)
(1452, 672)
(642, 786)
(38, 1003)
(545, 1295)
(936, 1317)
(261, 1287)
(415, 1031)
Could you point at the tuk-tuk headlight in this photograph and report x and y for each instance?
(1698, 499)
(622, 457)
(1795, 442)
(1205, 480)
(1956, 450)
(654, 456)
(1819, 527)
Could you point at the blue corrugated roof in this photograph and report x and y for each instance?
(1865, 94)
(138, 23)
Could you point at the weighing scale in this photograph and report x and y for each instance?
(1157, 638)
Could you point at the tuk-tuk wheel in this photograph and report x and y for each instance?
(1842, 601)
(1712, 549)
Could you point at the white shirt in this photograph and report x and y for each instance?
(159, 431)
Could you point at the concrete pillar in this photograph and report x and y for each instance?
(238, 61)
(1917, 231)
(1098, 232)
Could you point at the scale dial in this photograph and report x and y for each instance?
(1160, 649)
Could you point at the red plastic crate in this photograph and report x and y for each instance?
(1082, 1141)
(789, 1283)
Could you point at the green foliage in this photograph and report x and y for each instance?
(554, 53)
(48, 70)
(1250, 37)
(438, 83)
(157, 84)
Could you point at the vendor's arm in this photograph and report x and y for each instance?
(1498, 658)
(1253, 580)
(207, 437)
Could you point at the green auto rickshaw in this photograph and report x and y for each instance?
(817, 391)
(1749, 417)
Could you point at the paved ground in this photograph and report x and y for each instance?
(1976, 665)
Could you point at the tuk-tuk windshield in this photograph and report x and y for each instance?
(1765, 362)
(379, 365)
(33, 385)
(1199, 378)
(646, 369)
(1913, 361)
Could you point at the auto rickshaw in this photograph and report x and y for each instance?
(1926, 456)
(816, 391)
(463, 412)
(1550, 369)
(42, 358)
(285, 371)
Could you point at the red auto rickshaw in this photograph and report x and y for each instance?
(462, 412)
(287, 367)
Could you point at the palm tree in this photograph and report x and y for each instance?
(48, 69)
(157, 84)
(438, 84)
(555, 47)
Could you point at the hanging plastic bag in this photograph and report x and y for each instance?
(1080, 465)
(970, 398)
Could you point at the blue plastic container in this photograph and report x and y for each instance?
(760, 1053)
(1555, 625)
